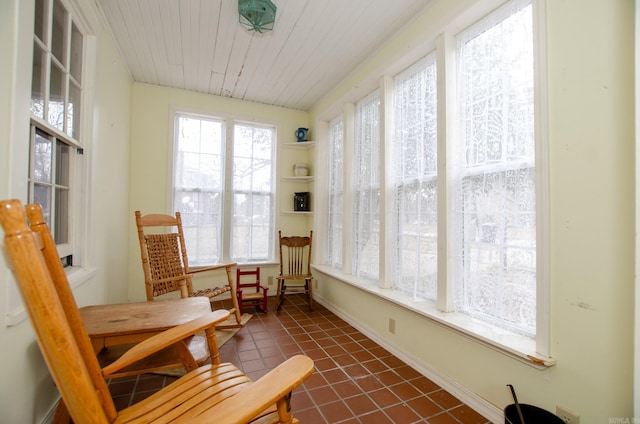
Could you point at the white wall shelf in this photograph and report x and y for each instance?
(290, 213)
(299, 145)
(298, 179)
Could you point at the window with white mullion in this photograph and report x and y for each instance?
(253, 204)
(336, 193)
(198, 185)
(414, 178)
(495, 209)
(365, 234)
(55, 140)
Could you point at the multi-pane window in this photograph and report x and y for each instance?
(414, 179)
(49, 166)
(252, 230)
(56, 94)
(461, 183)
(202, 176)
(366, 209)
(494, 189)
(56, 85)
(336, 193)
(198, 168)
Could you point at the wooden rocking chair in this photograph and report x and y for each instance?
(216, 393)
(166, 265)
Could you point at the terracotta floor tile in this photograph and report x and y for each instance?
(335, 375)
(383, 397)
(356, 381)
(405, 391)
(376, 417)
(361, 404)
(444, 399)
(322, 395)
(401, 414)
(442, 418)
(311, 415)
(346, 389)
(335, 412)
(424, 384)
(424, 406)
(466, 415)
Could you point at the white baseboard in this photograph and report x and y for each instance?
(475, 402)
(48, 419)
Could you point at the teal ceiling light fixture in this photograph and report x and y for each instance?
(257, 15)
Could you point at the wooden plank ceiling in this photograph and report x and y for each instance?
(199, 45)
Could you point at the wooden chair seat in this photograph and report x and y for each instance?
(213, 292)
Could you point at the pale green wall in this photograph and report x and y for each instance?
(591, 157)
(27, 392)
(592, 229)
(150, 160)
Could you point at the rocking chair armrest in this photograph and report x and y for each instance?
(263, 393)
(212, 268)
(165, 339)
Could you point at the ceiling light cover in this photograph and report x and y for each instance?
(257, 15)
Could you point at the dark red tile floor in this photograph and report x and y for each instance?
(356, 380)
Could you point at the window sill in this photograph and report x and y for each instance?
(76, 277)
(516, 346)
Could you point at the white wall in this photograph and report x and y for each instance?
(27, 393)
(591, 158)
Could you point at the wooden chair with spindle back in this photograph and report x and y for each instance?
(295, 266)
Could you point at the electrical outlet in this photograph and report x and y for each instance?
(392, 326)
(270, 280)
(567, 415)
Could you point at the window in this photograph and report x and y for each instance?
(202, 177)
(56, 93)
(336, 192)
(495, 244)
(414, 179)
(461, 183)
(253, 193)
(366, 212)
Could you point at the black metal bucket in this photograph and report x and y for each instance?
(531, 414)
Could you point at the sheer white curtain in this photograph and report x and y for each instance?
(414, 176)
(252, 229)
(198, 185)
(366, 214)
(336, 193)
(494, 168)
(201, 181)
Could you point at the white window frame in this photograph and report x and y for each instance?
(82, 269)
(366, 184)
(421, 237)
(228, 191)
(336, 191)
(534, 352)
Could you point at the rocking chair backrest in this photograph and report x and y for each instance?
(164, 256)
(54, 314)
